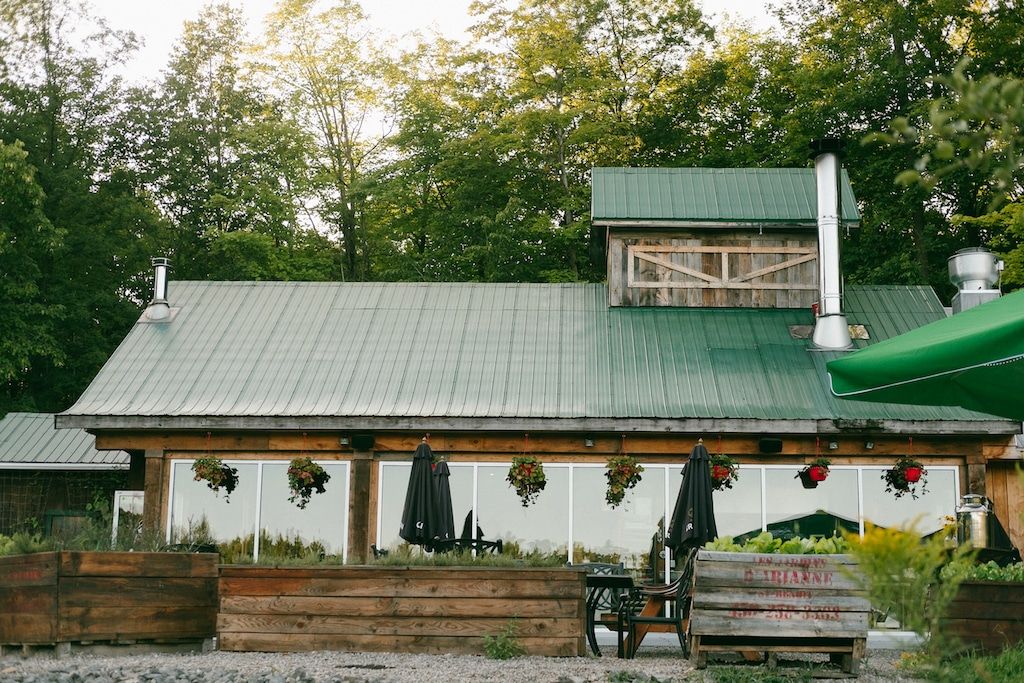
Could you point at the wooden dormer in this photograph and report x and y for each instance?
(711, 237)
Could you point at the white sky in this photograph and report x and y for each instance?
(159, 22)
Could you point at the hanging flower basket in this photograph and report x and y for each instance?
(217, 475)
(905, 476)
(814, 473)
(305, 477)
(623, 473)
(724, 471)
(526, 476)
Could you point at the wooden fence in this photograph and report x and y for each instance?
(400, 609)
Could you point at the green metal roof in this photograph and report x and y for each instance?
(30, 441)
(470, 355)
(711, 195)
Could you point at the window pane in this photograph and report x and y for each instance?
(543, 526)
(624, 534)
(822, 511)
(884, 509)
(394, 479)
(195, 508)
(322, 522)
(461, 484)
(738, 510)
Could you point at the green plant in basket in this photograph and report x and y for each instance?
(526, 476)
(305, 477)
(904, 477)
(724, 471)
(623, 473)
(216, 474)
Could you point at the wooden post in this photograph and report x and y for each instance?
(155, 487)
(359, 506)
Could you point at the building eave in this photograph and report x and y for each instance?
(95, 423)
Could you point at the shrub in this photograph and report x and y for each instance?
(504, 645)
(915, 578)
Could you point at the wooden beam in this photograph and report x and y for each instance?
(312, 423)
(155, 488)
(724, 249)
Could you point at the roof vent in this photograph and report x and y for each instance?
(159, 309)
(975, 273)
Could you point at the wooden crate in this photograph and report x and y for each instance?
(62, 597)
(400, 609)
(986, 615)
(752, 602)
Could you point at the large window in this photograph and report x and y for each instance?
(259, 519)
(571, 511)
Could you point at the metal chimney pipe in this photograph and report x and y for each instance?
(831, 331)
(158, 308)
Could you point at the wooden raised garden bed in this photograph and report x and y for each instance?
(753, 602)
(74, 597)
(400, 609)
(986, 615)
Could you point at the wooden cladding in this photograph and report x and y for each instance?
(61, 597)
(713, 268)
(400, 609)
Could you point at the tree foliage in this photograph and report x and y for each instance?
(315, 150)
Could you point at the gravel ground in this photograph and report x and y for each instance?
(652, 665)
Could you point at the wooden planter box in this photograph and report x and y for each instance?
(65, 597)
(986, 615)
(751, 602)
(400, 609)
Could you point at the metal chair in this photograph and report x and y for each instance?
(678, 595)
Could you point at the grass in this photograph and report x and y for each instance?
(408, 556)
(1005, 667)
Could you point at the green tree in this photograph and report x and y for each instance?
(219, 154)
(327, 63)
(28, 242)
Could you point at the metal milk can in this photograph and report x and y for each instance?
(972, 521)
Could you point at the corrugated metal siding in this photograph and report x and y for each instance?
(32, 438)
(757, 195)
(482, 350)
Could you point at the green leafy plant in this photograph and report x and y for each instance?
(526, 476)
(990, 571)
(216, 474)
(623, 473)
(765, 542)
(724, 471)
(905, 476)
(305, 477)
(23, 543)
(504, 645)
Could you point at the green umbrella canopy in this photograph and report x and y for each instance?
(973, 359)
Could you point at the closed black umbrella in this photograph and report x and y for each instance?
(446, 519)
(693, 519)
(420, 521)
